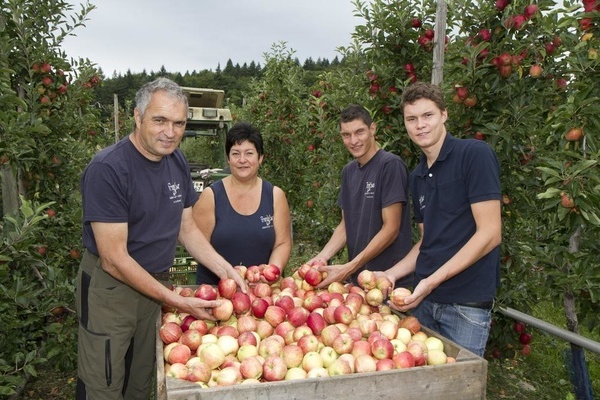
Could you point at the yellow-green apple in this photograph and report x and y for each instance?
(419, 337)
(245, 351)
(241, 270)
(317, 373)
(366, 279)
(228, 376)
(436, 357)
(384, 284)
(312, 360)
(251, 368)
(171, 317)
(177, 370)
(404, 335)
(328, 355)
(292, 354)
(339, 367)
(301, 331)
(274, 368)
(398, 295)
(399, 345)
(365, 363)
(209, 338)
(294, 374)
(228, 344)
(434, 343)
(389, 329)
(336, 287)
(374, 297)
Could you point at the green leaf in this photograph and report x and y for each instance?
(549, 193)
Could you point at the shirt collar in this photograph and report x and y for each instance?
(449, 143)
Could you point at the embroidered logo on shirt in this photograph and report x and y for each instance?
(421, 201)
(370, 189)
(267, 221)
(174, 188)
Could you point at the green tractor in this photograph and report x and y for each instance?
(204, 140)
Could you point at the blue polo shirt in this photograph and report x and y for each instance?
(465, 172)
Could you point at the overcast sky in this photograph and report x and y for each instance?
(187, 35)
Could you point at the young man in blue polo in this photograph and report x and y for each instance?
(456, 199)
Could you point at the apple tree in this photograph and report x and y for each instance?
(48, 132)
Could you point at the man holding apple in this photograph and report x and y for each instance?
(375, 223)
(137, 204)
(456, 199)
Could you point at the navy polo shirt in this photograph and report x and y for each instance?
(465, 172)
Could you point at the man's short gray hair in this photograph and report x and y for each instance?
(144, 94)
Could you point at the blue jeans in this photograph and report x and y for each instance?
(468, 327)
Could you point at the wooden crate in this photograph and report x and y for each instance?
(463, 380)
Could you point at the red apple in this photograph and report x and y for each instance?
(170, 332)
(343, 344)
(411, 323)
(403, 360)
(224, 311)
(206, 292)
(382, 348)
(329, 333)
(398, 295)
(192, 339)
(292, 354)
(259, 307)
(316, 323)
(274, 368)
(248, 338)
(251, 367)
(297, 316)
(308, 343)
(275, 315)
(365, 363)
(227, 288)
(343, 314)
(253, 274)
(180, 353)
(271, 272)
(241, 303)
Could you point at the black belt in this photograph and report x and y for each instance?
(161, 276)
(486, 305)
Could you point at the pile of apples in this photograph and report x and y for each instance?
(285, 329)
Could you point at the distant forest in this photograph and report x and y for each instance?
(233, 79)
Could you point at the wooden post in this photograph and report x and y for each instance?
(437, 74)
(116, 119)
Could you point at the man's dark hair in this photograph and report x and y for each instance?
(355, 111)
(241, 132)
(423, 90)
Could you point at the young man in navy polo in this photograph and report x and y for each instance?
(456, 199)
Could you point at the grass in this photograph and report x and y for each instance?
(540, 376)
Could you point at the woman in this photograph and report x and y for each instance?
(246, 218)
